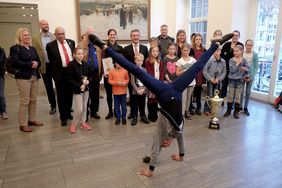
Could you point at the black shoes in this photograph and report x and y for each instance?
(129, 116)
(187, 116)
(145, 120)
(236, 114)
(134, 121)
(246, 111)
(153, 119)
(96, 41)
(117, 122)
(123, 121)
(95, 115)
(192, 112)
(109, 115)
(198, 112)
(64, 123)
(227, 113)
(52, 111)
(223, 39)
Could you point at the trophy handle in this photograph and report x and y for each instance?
(216, 92)
(207, 99)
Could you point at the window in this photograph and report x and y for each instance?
(265, 42)
(198, 18)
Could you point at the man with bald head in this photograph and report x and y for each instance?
(39, 42)
(59, 54)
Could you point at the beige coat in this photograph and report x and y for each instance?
(37, 43)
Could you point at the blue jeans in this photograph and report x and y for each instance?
(120, 100)
(247, 93)
(2, 97)
(210, 89)
(163, 91)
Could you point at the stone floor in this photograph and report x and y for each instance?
(243, 153)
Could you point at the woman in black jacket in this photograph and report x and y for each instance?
(112, 43)
(26, 61)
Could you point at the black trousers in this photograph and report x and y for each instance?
(47, 79)
(152, 111)
(138, 103)
(224, 87)
(64, 95)
(197, 93)
(94, 93)
(109, 93)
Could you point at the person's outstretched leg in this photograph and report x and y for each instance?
(154, 85)
(183, 81)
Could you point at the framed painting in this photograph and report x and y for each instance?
(121, 15)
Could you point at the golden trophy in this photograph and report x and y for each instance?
(214, 104)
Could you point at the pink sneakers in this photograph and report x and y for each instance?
(4, 116)
(72, 128)
(85, 126)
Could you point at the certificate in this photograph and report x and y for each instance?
(107, 64)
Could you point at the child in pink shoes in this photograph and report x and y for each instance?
(78, 73)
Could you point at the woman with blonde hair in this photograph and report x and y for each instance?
(27, 63)
(180, 41)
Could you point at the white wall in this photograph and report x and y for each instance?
(226, 15)
(219, 17)
(60, 13)
(240, 18)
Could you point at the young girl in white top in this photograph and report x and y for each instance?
(183, 64)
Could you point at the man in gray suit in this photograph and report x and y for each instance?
(39, 42)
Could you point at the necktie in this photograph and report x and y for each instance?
(66, 54)
(136, 49)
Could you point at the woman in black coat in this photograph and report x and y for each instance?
(25, 59)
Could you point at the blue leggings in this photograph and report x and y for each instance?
(164, 92)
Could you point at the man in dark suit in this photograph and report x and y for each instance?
(39, 42)
(60, 55)
(129, 53)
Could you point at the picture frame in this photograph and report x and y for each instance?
(121, 15)
(107, 64)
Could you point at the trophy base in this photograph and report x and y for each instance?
(214, 125)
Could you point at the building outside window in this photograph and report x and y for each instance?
(268, 12)
(198, 18)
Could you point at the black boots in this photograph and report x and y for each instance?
(229, 108)
(236, 111)
(228, 111)
(96, 41)
(223, 39)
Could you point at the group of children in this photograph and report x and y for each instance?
(167, 69)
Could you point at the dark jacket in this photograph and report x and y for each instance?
(129, 52)
(55, 58)
(75, 74)
(150, 68)
(2, 62)
(21, 58)
(116, 47)
(227, 54)
(164, 43)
